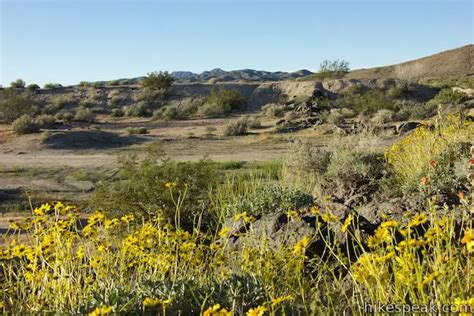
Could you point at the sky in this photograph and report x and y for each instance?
(89, 40)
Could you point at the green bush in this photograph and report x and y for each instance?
(139, 109)
(333, 69)
(253, 122)
(84, 115)
(33, 87)
(236, 128)
(335, 116)
(268, 200)
(44, 120)
(370, 101)
(18, 84)
(169, 113)
(117, 113)
(156, 184)
(223, 101)
(449, 96)
(273, 110)
(25, 124)
(157, 81)
(382, 117)
(13, 105)
(53, 86)
(137, 130)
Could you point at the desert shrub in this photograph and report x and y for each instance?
(370, 102)
(169, 113)
(114, 83)
(268, 200)
(157, 81)
(86, 103)
(46, 135)
(236, 128)
(117, 113)
(415, 158)
(449, 96)
(25, 124)
(335, 116)
(13, 105)
(137, 130)
(33, 87)
(154, 186)
(93, 95)
(59, 102)
(44, 120)
(382, 117)
(52, 86)
(84, 114)
(68, 116)
(98, 85)
(139, 109)
(18, 84)
(398, 91)
(422, 111)
(332, 69)
(306, 163)
(223, 101)
(253, 122)
(116, 100)
(84, 84)
(273, 110)
(150, 96)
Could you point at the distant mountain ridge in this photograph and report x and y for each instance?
(237, 75)
(220, 75)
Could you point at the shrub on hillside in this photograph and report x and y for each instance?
(236, 128)
(370, 102)
(137, 130)
(33, 87)
(52, 86)
(18, 84)
(154, 186)
(84, 115)
(25, 124)
(335, 116)
(223, 101)
(449, 96)
(44, 120)
(157, 81)
(117, 113)
(382, 117)
(14, 105)
(332, 69)
(273, 110)
(139, 109)
(420, 158)
(268, 200)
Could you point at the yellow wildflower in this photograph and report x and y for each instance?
(301, 245)
(466, 307)
(127, 218)
(111, 223)
(101, 311)
(381, 235)
(80, 252)
(314, 210)
(328, 217)
(281, 299)
(240, 215)
(216, 310)
(170, 185)
(391, 223)
(257, 311)
(224, 232)
(468, 239)
(292, 213)
(347, 222)
(153, 302)
(249, 219)
(419, 219)
(430, 277)
(2, 304)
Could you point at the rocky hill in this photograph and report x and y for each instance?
(454, 62)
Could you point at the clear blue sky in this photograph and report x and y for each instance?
(71, 41)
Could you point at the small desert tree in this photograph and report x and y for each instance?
(18, 84)
(157, 81)
(333, 69)
(13, 105)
